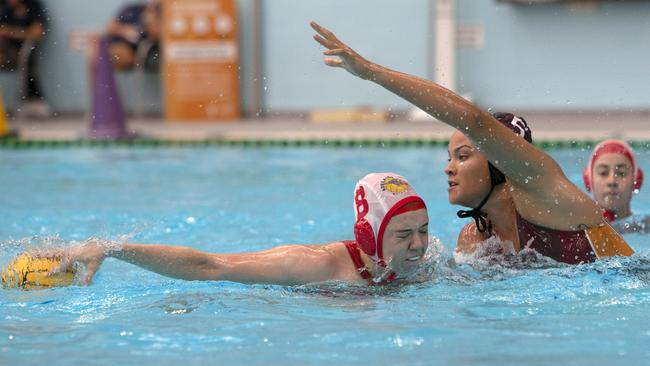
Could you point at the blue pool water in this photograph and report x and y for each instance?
(237, 199)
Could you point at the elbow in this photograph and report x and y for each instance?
(211, 268)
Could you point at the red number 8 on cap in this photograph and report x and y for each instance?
(362, 229)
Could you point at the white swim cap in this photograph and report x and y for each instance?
(378, 197)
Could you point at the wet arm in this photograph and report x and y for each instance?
(285, 265)
(177, 262)
(522, 163)
(542, 192)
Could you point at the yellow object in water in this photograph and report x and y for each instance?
(606, 242)
(4, 125)
(28, 272)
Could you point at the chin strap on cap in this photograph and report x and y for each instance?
(476, 213)
(496, 178)
(479, 218)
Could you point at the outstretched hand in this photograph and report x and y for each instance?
(90, 254)
(346, 58)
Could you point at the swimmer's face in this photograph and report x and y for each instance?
(406, 240)
(613, 182)
(468, 175)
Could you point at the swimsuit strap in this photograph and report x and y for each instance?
(355, 255)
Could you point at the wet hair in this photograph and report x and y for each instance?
(519, 126)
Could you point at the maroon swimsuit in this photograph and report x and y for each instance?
(570, 247)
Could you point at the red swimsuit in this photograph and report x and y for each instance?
(355, 255)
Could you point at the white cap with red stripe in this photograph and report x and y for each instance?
(378, 197)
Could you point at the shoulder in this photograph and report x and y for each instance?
(469, 237)
(343, 267)
(335, 252)
(316, 256)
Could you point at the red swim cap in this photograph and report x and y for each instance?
(612, 146)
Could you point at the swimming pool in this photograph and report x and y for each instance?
(241, 199)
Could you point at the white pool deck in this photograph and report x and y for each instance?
(546, 126)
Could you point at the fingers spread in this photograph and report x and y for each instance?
(318, 28)
(325, 42)
(335, 52)
(329, 61)
(324, 32)
(315, 26)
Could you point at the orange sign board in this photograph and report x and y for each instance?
(201, 60)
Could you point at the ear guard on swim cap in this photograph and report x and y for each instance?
(612, 147)
(586, 177)
(378, 197)
(365, 237)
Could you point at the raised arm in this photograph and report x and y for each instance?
(285, 265)
(488, 134)
(536, 177)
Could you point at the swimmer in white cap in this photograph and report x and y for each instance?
(391, 232)
(613, 176)
(533, 206)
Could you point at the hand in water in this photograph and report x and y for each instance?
(91, 254)
(347, 57)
